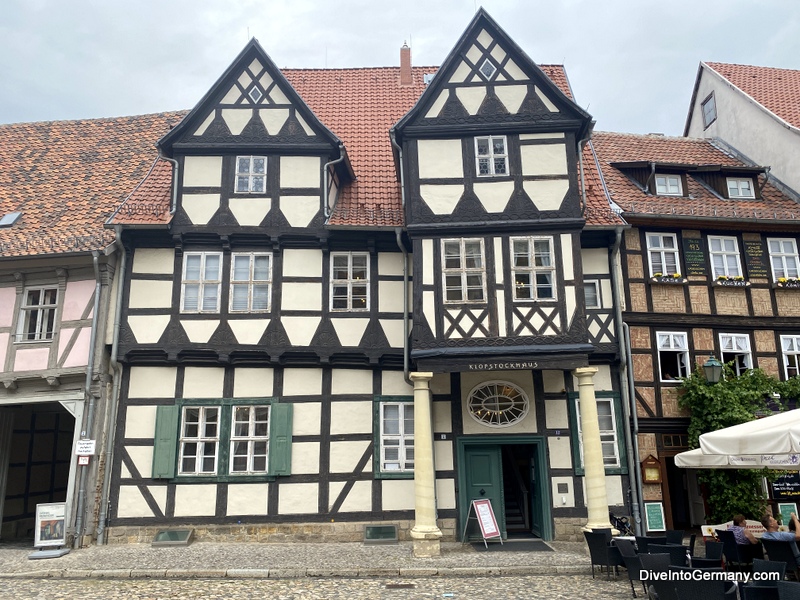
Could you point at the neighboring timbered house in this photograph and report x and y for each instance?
(266, 332)
(710, 267)
(59, 182)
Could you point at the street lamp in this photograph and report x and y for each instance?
(713, 370)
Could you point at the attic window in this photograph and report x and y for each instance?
(255, 95)
(740, 187)
(669, 185)
(488, 69)
(709, 107)
(9, 219)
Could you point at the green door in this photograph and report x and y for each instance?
(484, 479)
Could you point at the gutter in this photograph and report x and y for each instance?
(89, 421)
(111, 419)
(325, 208)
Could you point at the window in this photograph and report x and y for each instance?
(724, 256)
(736, 349)
(673, 356)
(491, 156)
(709, 108)
(251, 174)
(740, 187)
(497, 404)
(783, 257)
(202, 272)
(669, 185)
(396, 435)
(37, 320)
(533, 269)
(488, 69)
(609, 417)
(791, 355)
(250, 282)
(591, 290)
(225, 439)
(662, 249)
(464, 273)
(349, 281)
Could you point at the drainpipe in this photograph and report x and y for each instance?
(89, 422)
(111, 420)
(626, 386)
(398, 231)
(650, 177)
(174, 204)
(325, 208)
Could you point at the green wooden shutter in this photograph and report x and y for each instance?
(280, 439)
(165, 442)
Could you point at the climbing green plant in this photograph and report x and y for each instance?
(734, 400)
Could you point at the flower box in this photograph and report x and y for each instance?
(789, 284)
(729, 282)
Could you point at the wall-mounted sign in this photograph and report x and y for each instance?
(694, 255)
(651, 470)
(50, 530)
(755, 258)
(786, 487)
(85, 447)
(654, 516)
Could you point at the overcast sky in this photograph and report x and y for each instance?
(631, 63)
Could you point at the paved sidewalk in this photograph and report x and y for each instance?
(290, 560)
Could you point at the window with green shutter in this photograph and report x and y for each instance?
(224, 439)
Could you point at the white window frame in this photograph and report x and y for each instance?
(736, 183)
(663, 251)
(251, 175)
(350, 282)
(42, 312)
(790, 348)
(672, 186)
(595, 283)
(201, 440)
(202, 283)
(492, 156)
(736, 351)
(709, 114)
(532, 270)
(252, 439)
(785, 269)
(403, 440)
(251, 283)
(675, 343)
(726, 267)
(463, 272)
(611, 436)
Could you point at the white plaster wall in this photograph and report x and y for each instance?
(302, 296)
(441, 199)
(521, 378)
(300, 210)
(445, 493)
(306, 418)
(494, 196)
(546, 194)
(202, 171)
(350, 331)
(247, 498)
(390, 263)
(148, 329)
(566, 256)
(152, 382)
(427, 262)
(556, 415)
(563, 500)
(560, 451)
(196, 500)
(249, 211)
(553, 381)
(203, 382)
(602, 379)
(351, 381)
(544, 159)
(142, 458)
(471, 97)
(344, 456)
(443, 454)
(199, 331)
(359, 498)
(252, 383)
(298, 498)
(248, 331)
(394, 330)
(300, 330)
(398, 494)
(305, 458)
(390, 296)
(150, 294)
(133, 504)
(749, 129)
(302, 263)
(351, 417)
(236, 118)
(595, 261)
(302, 382)
(200, 207)
(300, 172)
(440, 158)
(440, 384)
(156, 261)
(140, 422)
(394, 384)
(442, 417)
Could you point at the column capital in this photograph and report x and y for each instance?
(585, 374)
(420, 376)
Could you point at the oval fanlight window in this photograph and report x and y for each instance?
(497, 404)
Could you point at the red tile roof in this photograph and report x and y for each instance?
(778, 90)
(701, 201)
(67, 177)
(598, 211)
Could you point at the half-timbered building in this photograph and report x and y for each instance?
(710, 268)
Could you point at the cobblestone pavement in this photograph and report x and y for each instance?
(428, 588)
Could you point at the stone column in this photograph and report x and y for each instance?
(425, 533)
(593, 467)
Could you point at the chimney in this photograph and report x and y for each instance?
(405, 65)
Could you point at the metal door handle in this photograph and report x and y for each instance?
(483, 492)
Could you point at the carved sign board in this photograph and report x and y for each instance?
(694, 256)
(755, 257)
(457, 364)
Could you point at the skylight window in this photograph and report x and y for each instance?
(488, 69)
(9, 219)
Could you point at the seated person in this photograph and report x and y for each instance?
(740, 533)
(772, 533)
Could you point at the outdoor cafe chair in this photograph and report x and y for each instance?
(674, 536)
(734, 559)
(704, 590)
(706, 563)
(633, 563)
(643, 542)
(714, 550)
(770, 566)
(759, 592)
(602, 553)
(677, 554)
(782, 552)
(788, 590)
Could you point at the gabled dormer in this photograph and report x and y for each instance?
(493, 138)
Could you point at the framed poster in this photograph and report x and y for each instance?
(654, 516)
(786, 509)
(50, 525)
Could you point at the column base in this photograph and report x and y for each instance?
(590, 526)
(427, 542)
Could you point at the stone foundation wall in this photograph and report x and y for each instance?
(569, 529)
(275, 532)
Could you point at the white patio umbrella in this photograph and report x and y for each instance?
(769, 443)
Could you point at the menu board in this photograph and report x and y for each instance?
(486, 520)
(786, 487)
(654, 516)
(755, 258)
(786, 510)
(694, 256)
